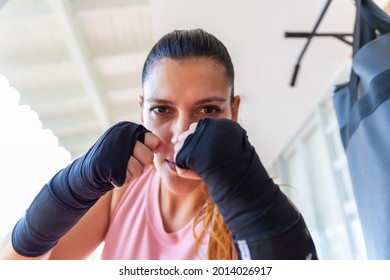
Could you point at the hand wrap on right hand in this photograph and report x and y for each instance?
(73, 190)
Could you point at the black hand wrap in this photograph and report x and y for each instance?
(253, 207)
(73, 190)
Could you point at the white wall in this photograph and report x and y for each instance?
(253, 31)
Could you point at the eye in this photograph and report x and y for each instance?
(209, 110)
(159, 110)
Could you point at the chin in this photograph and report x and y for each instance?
(174, 182)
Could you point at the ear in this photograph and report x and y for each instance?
(141, 105)
(235, 107)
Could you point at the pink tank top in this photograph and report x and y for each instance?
(136, 231)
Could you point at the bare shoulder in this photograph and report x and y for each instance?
(117, 195)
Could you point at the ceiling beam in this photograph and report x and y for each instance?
(104, 4)
(22, 9)
(30, 60)
(24, 61)
(2, 3)
(79, 53)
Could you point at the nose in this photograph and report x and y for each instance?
(181, 124)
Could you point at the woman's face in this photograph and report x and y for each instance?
(176, 94)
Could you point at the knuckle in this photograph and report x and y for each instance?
(137, 172)
(135, 168)
(152, 141)
(149, 157)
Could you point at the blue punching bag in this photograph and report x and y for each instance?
(363, 112)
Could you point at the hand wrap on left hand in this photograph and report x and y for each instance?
(252, 205)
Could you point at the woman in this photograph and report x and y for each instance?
(188, 186)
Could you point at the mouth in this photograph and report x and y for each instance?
(171, 165)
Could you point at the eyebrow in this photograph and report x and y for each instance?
(211, 99)
(158, 100)
(204, 100)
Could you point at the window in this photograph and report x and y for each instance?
(315, 171)
(30, 156)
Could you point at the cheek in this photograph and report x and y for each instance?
(227, 114)
(159, 128)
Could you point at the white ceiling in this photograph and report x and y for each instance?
(78, 62)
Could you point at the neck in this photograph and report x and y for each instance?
(177, 210)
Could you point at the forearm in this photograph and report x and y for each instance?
(70, 194)
(7, 251)
(293, 244)
(82, 240)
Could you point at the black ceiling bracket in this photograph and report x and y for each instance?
(340, 36)
(310, 36)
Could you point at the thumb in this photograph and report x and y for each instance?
(187, 173)
(153, 142)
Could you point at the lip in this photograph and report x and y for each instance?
(171, 165)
